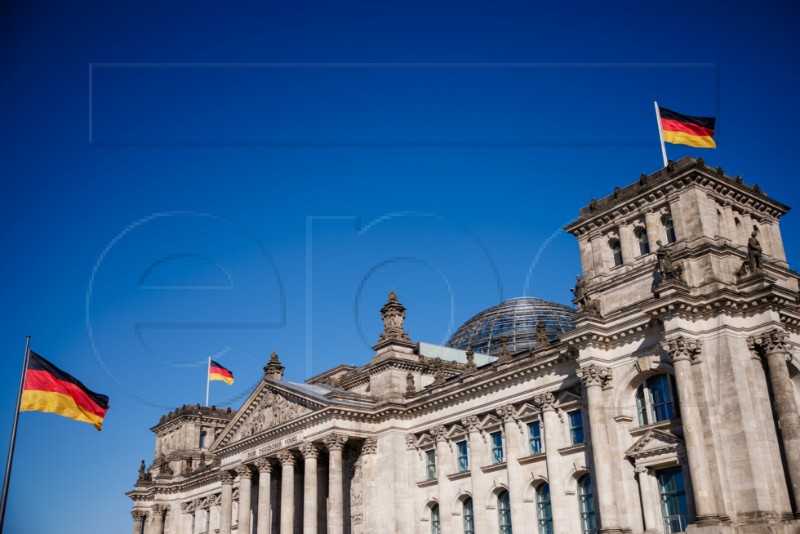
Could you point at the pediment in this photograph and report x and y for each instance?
(269, 406)
(654, 443)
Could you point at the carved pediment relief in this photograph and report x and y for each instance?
(272, 410)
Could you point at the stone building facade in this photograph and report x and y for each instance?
(671, 406)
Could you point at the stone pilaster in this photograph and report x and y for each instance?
(138, 519)
(226, 502)
(264, 478)
(507, 414)
(439, 435)
(310, 454)
(335, 444)
(559, 500)
(649, 497)
(774, 347)
(477, 455)
(594, 377)
(287, 460)
(599, 252)
(684, 352)
(245, 479)
(157, 524)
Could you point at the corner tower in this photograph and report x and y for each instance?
(685, 274)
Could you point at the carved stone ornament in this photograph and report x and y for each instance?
(667, 268)
(471, 360)
(545, 401)
(309, 450)
(272, 410)
(370, 446)
(594, 375)
(244, 472)
(225, 477)
(410, 387)
(138, 515)
(438, 372)
(263, 465)
(772, 341)
(506, 413)
(504, 353)
(541, 334)
(411, 442)
(682, 348)
(753, 262)
(286, 457)
(438, 433)
(393, 314)
(582, 299)
(471, 423)
(335, 442)
(158, 509)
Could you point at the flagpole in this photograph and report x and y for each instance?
(661, 134)
(208, 383)
(14, 433)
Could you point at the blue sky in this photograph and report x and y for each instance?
(188, 179)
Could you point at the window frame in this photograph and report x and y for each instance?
(535, 439)
(616, 252)
(504, 512)
(672, 495)
(430, 464)
(462, 455)
(436, 523)
(574, 429)
(587, 506)
(669, 228)
(496, 439)
(642, 239)
(647, 409)
(468, 514)
(544, 510)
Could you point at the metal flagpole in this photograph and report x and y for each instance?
(208, 383)
(14, 433)
(661, 133)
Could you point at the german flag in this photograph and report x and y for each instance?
(686, 130)
(49, 389)
(217, 372)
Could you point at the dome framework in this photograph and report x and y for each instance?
(517, 320)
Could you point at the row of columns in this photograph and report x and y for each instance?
(335, 445)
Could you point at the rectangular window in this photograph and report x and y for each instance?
(576, 427)
(463, 455)
(497, 447)
(673, 499)
(535, 436)
(641, 407)
(430, 464)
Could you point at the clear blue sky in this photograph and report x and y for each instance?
(182, 179)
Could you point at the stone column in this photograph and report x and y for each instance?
(226, 502)
(628, 242)
(138, 520)
(477, 456)
(264, 478)
(647, 485)
(335, 444)
(310, 454)
(157, 524)
(245, 476)
(585, 248)
(778, 251)
(558, 499)
(515, 481)
(198, 521)
(600, 251)
(684, 352)
(729, 230)
(287, 460)
(594, 377)
(774, 347)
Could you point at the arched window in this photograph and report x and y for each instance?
(669, 229)
(469, 517)
(504, 512)
(644, 244)
(588, 519)
(436, 527)
(544, 512)
(656, 400)
(202, 439)
(616, 251)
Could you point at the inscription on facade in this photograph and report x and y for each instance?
(273, 446)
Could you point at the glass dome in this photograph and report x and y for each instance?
(516, 319)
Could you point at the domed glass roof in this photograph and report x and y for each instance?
(516, 319)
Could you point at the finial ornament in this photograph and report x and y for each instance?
(393, 314)
(273, 370)
(410, 387)
(682, 348)
(594, 375)
(541, 334)
(471, 360)
(504, 353)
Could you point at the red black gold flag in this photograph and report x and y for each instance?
(686, 130)
(217, 372)
(49, 389)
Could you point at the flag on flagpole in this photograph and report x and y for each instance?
(218, 372)
(687, 130)
(49, 389)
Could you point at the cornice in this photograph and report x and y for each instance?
(654, 190)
